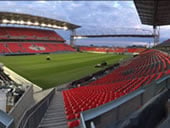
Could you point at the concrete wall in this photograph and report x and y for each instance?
(150, 115)
(118, 113)
(113, 112)
(21, 80)
(3, 100)
(32, 117)
(22, 105)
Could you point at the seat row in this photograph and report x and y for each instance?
(114, 50)
(28, 34)
(29, 47)
(150, 65)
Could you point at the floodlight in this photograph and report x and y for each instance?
(5, 21)
(43, 24)
(36, 23)
(65, 28)
(22, 22)
(13, 21)
(49, 25)
(29, 22)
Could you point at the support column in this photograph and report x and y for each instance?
(72, 34)
(156, 35)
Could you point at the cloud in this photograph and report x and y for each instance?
(41, 1)
(105, 15)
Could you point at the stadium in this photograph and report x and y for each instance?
(49, 81)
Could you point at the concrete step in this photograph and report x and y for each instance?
(56, 125)
(53, 121)
(53, 118)
(50, 118)
(55, 115)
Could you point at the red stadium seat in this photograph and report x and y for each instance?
(40, 37)
(73, 124)
(150, 65)
(114, 50)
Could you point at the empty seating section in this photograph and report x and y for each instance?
(14, 47)
(29, 40)
(29, 34)
(140, 71)
(115, 50)
(28, 47)
(3, 48)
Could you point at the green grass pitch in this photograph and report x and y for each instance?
(62, 68)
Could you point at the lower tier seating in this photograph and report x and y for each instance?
(29, 47)
(114, 50)
(150, 65)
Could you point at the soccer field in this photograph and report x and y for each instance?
(62, 68)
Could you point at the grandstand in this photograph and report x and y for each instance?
(31, 41)
(164, 46)
(132, 93)
(140, 72)
(110, 50)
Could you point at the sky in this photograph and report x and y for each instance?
(93, 16)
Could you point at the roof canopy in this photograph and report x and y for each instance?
(153, 12)
(164, 44)
(26, 19)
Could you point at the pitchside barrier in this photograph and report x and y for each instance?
(85, 80)
(109, 114)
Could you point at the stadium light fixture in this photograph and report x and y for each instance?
(78, 37)
(65, 28)
(43, 24)
(13, 21)
(36, 23)
(29, 22)
(18, 22)
(21, 22)
(5, 21)
(55, 26)
(59, 27)
(49, 25)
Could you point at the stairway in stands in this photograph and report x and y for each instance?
(54, 116)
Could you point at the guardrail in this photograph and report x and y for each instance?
(32, 117)
(114, 111)
(6, 121)
(155, 110)
(22, 105)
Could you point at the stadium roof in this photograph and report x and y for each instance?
(31, 20)
(164, 44)
(153, 12)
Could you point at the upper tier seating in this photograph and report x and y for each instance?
(28, 34)
(116, 50)
(44, 41)
(29, 47)
(150, 65)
